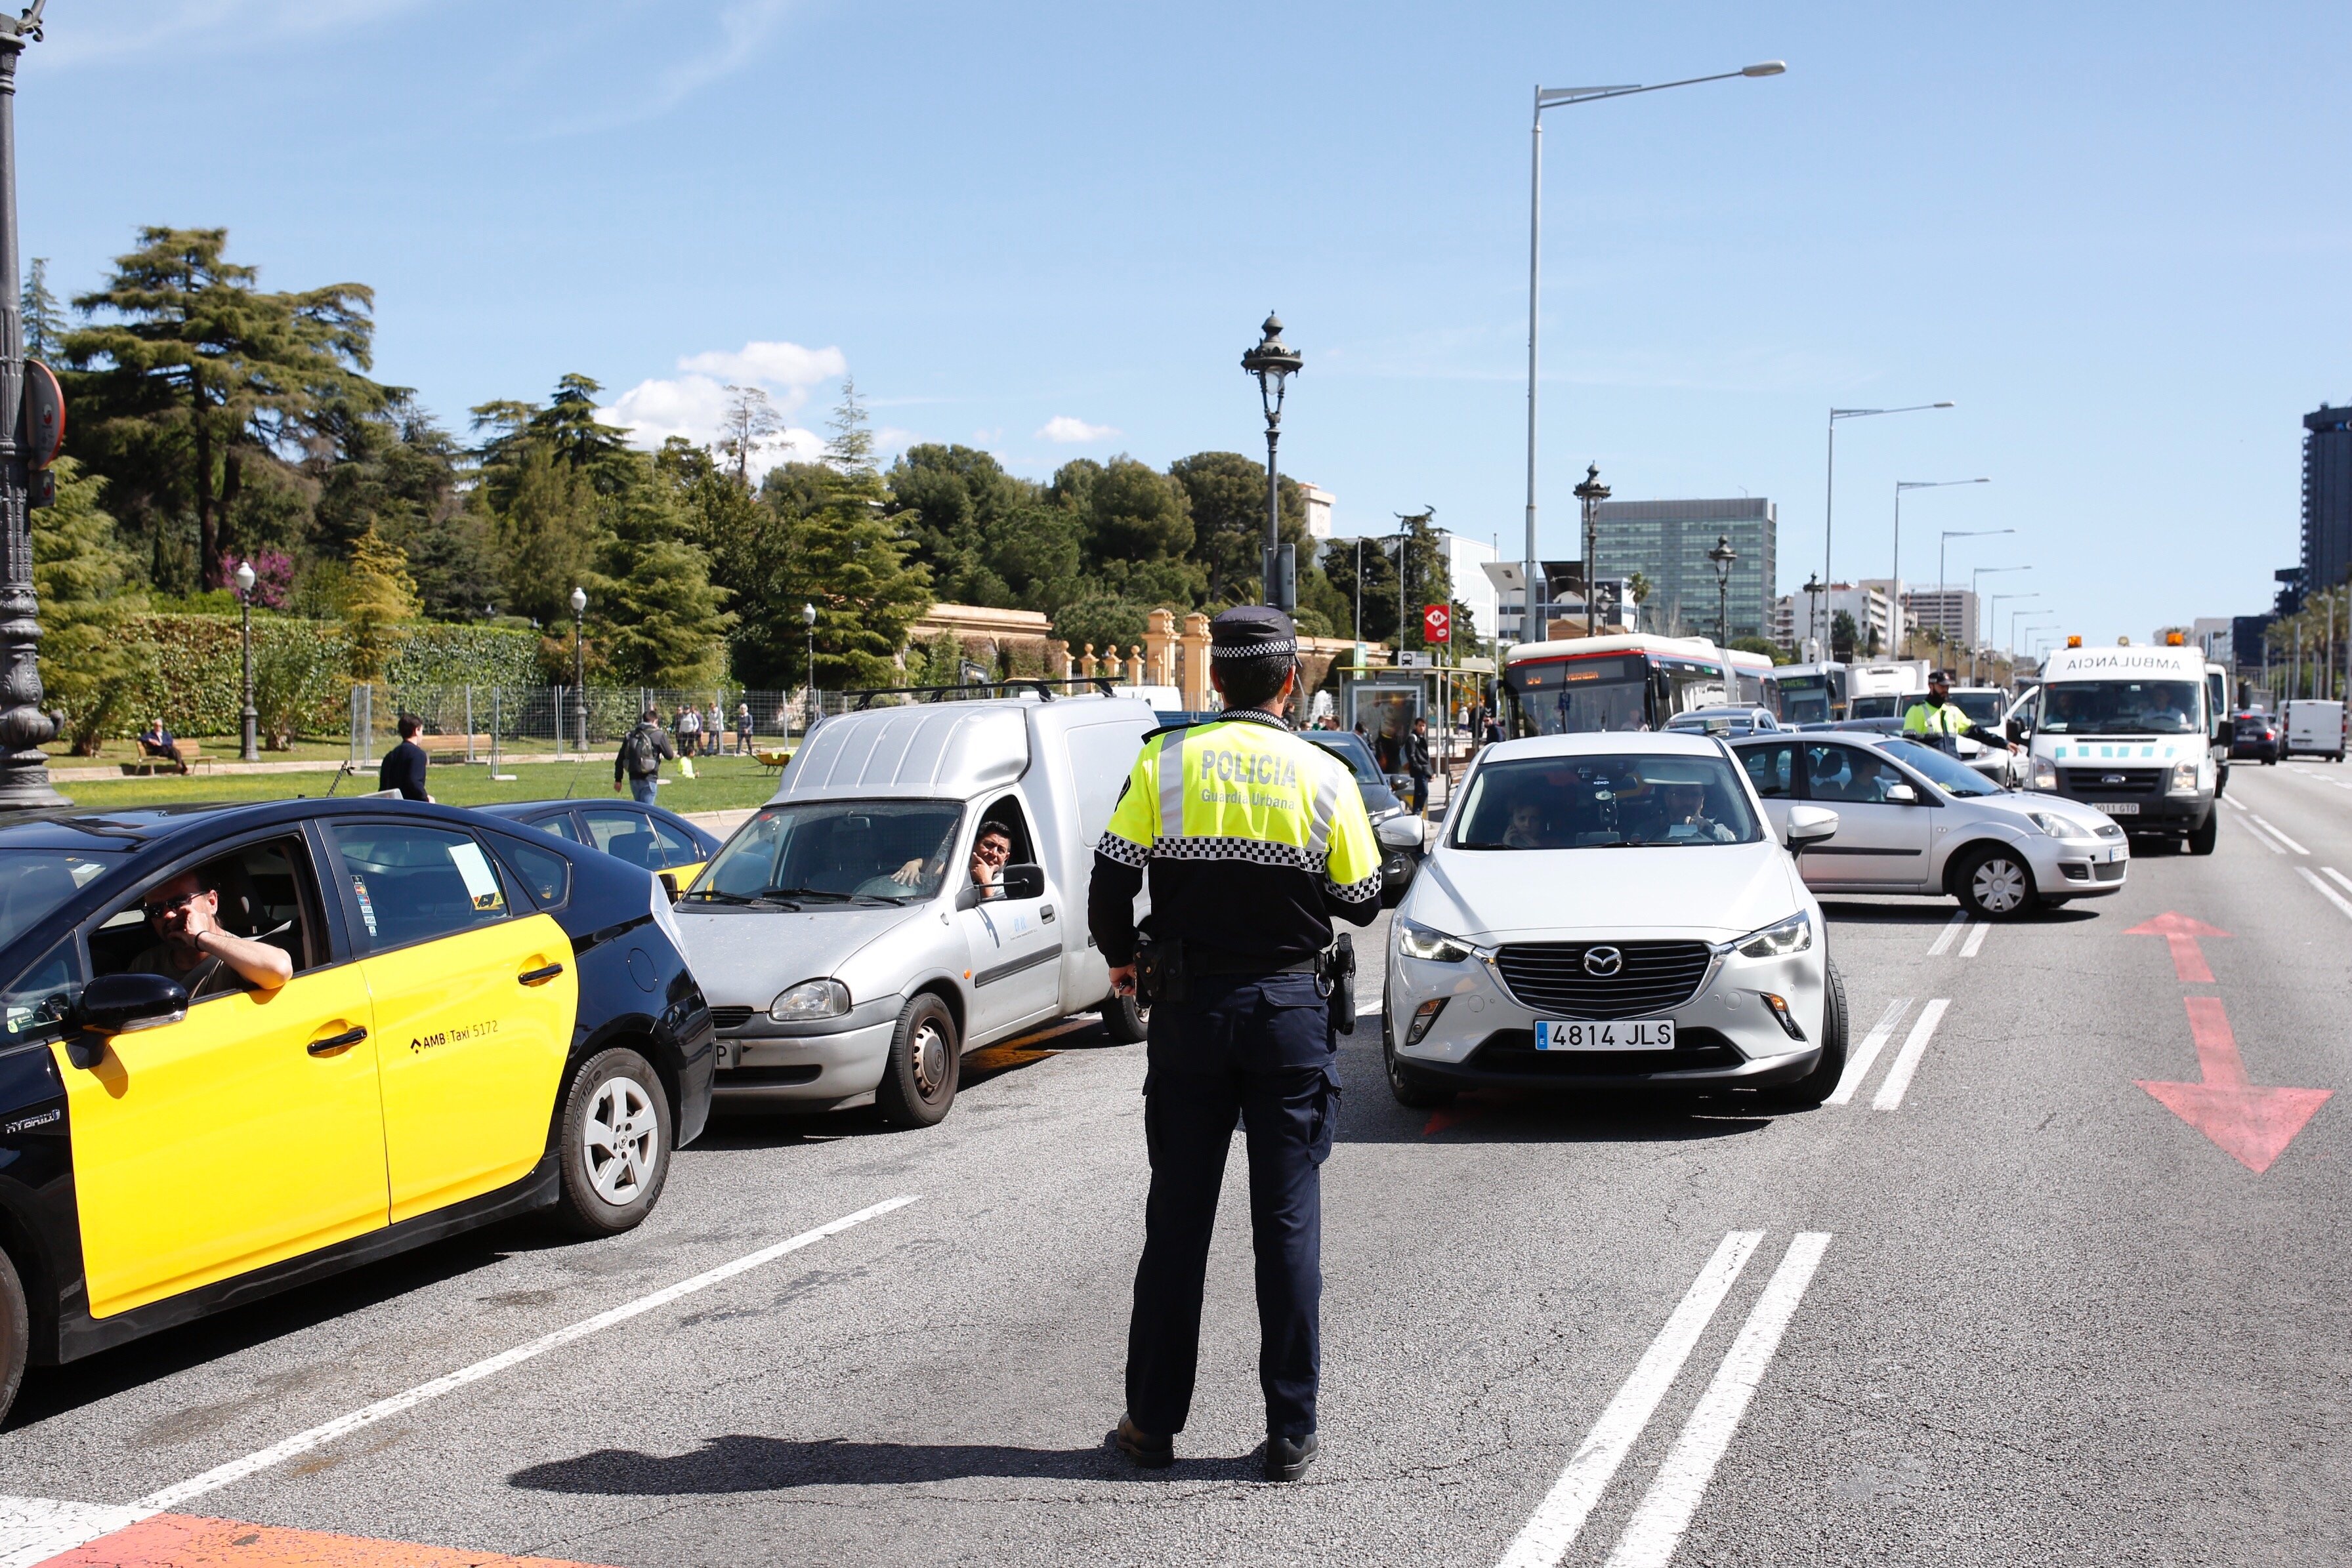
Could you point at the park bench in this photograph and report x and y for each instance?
(453, 748)
(186, 756)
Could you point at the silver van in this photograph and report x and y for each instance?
(850, 956)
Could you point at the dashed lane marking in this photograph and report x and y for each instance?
(1552, 1528)
(2257, 835)
(2273, 829)
(2337, 877)
(66, 1530)
(2326, 891)
(1907, 1061)
(1657, 1528)
(1944, 937)
(1858, 1065)
(1977, 935)
(2234, 805)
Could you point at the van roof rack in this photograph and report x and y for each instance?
(972, 689)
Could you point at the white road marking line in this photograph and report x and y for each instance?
(1977, 935)
(1551, 1530)
(1858, 1065)
(1907, 1061)
(2337, 877)
(2282, 838)
(278, 1453)
(2259, 836)
(1666, 1508)
(36, 1529)
(1944, 937)
(2234, 805)
(2326, 891)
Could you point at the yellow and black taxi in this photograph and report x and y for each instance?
(663, 843)
(249, 1046)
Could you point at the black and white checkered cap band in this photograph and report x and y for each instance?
(1256, 649)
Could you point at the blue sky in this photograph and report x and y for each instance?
(2116, 236)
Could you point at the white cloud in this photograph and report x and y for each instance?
(693, 403)
(1070, 432)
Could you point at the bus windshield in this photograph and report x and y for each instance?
(1588, 694)
(1804, 699)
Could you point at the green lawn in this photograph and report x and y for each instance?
(723, 783)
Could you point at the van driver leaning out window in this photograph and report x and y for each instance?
(192, 948)
(989, 853)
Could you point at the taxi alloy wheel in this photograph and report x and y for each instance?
(918, 1081)
(616, 1142)
(1996, 885)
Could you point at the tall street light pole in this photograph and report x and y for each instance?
(1829, 489)
(1992, 627)
(580, 663)
(1553, 98)
(252, 730)
(808, 624)
(1951, 534)
(1589, 496)
(1723, 556)
(2041, 618)
(24, 766)
(1975, 581)
(1895, 578)
(1272, 362)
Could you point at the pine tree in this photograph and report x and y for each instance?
(84, 580)
(657, 620)
(378, 598)
(44, 322)
(546, 534)
(751, 419)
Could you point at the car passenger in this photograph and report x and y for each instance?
(192, 948)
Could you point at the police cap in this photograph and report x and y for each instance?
(1253, 631)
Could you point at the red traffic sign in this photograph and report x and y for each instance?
(1437, 623)
(42, 432)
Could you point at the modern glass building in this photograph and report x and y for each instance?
(1667, 541)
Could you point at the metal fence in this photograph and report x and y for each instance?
(492, 723)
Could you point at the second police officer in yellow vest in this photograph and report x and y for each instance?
(1938, 720)
(1253, 840)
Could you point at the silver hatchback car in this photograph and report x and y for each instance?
(1912, 819)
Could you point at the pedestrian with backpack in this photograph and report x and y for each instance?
(640, 760)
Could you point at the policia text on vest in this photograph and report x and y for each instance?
(1253, 840)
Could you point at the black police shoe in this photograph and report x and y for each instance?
(1153, 1453)
(1286, 1459)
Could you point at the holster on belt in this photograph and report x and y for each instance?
(1159, 974)
(1335, 967)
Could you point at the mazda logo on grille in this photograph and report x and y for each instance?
(1602, 962)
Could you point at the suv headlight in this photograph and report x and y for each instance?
(1419, 941)
(809, 1000)
(2042, 773)
(2184, 779)
(1793, 934)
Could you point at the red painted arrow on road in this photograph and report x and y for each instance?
(2180, 935)
(2251, 1124)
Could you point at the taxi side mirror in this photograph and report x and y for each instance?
(1809, 825)
(119, 1004)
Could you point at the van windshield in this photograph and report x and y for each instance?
(2120, 708)
(836, 851)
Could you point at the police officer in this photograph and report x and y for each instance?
(1938, 720)
(1253, 840)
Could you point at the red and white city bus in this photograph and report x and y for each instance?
(1590, 684)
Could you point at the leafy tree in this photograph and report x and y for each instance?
(1135, 531)
(85, 584)
(44, 322)
(655, 619)
(751, 419)
(1843, 633)
(201, 374)
(1103, 620)
(1765, 647)
(963, 516)
(1428, 580)
(378, 596)
(545, 535)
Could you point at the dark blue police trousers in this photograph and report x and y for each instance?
(1261, 1051)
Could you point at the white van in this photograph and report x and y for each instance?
(847, 953)
(2312, 728)
(2129, 730)
(1886, 689)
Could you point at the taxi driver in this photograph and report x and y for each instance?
(1685, 807)
(192, 948)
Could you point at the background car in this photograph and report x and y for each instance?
(1724, 721)
(1914, 821)
(660, 841)
(2254, 735)
(1612, 908)
(1400, 851)
(479, 1022)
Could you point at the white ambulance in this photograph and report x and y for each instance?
(2129, 730)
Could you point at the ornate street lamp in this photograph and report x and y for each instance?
(1591, 492)
(252, 752)
(808, 623)
(580, 662)
(1274, 362)
(24, 766)
(1723, 556)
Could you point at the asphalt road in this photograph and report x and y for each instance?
(2002, 1305)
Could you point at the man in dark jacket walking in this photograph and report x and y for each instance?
(403, 765)
(1415, 751)
(640, 760)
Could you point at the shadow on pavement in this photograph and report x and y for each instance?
(1635, 1115)
(738, 1463)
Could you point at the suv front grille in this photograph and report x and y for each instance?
(2096, 781)
(1655, 978)
(730, 1018)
